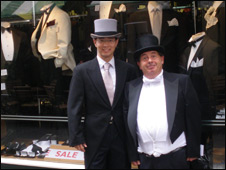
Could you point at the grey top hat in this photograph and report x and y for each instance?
(147, 42)
(105, 28)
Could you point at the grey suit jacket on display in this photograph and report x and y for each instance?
(183, 112)
(87, 89)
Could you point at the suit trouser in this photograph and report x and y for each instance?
(112, 153)
(173, 160)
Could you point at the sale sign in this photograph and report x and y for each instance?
(65, 154)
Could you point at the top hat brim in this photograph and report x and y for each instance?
(117, 35)
(137, 53)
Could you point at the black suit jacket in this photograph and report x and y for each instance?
(20, 70)
(87, 87)
(211, 52)
(173, 38)
(183, 112)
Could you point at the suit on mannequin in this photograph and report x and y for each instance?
(204, 74)
(51, 44)
(216, 30)
(54, 40)
(170, 37)
(19, 66)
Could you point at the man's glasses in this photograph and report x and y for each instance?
(108, 41)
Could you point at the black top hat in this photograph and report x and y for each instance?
(147, 42)
(105, 28)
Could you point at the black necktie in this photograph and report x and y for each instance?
(193, 43)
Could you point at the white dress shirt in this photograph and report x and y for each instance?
(152, 124)
(111, 69)
(7, 45)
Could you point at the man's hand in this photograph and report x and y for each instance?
(136, 163)
(81, 147)
(191, 159)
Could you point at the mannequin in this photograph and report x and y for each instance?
(211, 14)
(171, 31)
(51, 44)
(215, 26)
(46, 7)
(54, 39)
(105, 7)
(16, 58)
(201, 62)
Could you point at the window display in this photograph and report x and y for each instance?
(169, 31)
(40, 49)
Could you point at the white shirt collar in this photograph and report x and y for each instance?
(159, 77)
(102, 62)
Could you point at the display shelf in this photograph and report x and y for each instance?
(213, 122)
(34, 118)
(38, 162)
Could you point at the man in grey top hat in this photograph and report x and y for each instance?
(98, 85)
(162, 113)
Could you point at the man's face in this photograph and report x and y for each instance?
(105, 47)
(151, 63)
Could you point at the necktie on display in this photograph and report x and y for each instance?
(156, 23)
(108, 82)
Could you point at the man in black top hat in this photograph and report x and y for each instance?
(162, 113)
(98, 85)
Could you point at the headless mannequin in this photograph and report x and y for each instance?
(196, 36)
(105, 7)
(46, 7)
(216, 4)
(210, 16)
(158, 27)
(5, 24)
(194, 50)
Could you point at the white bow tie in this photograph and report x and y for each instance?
(152, 81)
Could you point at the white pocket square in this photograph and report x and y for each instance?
(173, 22)
(198, 63)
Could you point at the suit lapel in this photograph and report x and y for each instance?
(134, 96)
(171, 90)
(164, 24)
(96, 77)
(145, 16)
(48, 17)
(203, 43)
(120, 81)
(16, 43)
(199, 50)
